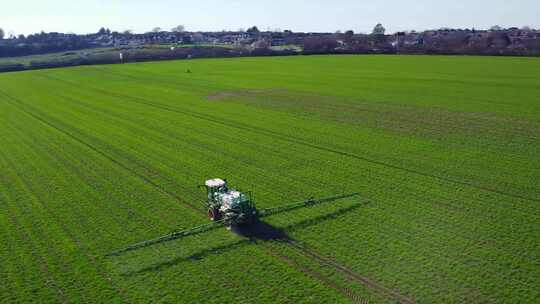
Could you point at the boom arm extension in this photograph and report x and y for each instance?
(308, 203)
(170, 237)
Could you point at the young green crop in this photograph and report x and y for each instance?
(95, 158)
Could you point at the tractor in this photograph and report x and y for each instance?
(231, 205)
(229, 208)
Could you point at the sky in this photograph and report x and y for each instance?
(81, 17)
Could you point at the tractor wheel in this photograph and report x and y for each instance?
(213, 214)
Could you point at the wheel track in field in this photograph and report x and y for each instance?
(310, 254)
(288, 138)
(449, 260)
(314, 255)
(355, 298)
(479, 244)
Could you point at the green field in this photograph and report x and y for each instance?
(444, 150)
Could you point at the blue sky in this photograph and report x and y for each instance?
(29, 16)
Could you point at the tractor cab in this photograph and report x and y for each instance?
(214, 187)
(224, 203)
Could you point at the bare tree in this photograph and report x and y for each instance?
(349, 35)
(253, 29)
(379, 30)
(2, 33)
(178, 29)
(496, 28)
(156, 30)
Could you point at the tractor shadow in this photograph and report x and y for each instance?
(253, 234)
(259, 231)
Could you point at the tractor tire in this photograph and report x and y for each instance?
(213, 214)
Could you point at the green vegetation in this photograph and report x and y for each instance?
(110, 55)
(444, 150)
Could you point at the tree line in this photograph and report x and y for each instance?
(495, 41)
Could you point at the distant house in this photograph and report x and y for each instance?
(412, 39)
(261, 44)
(278, 42)
(524, 39)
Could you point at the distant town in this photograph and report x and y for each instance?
(254, 42)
